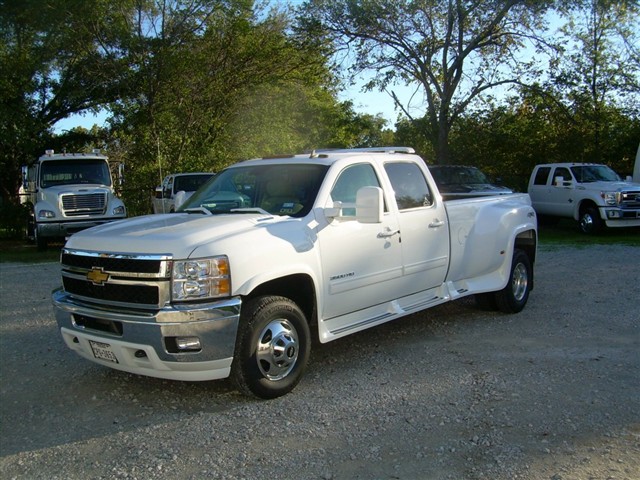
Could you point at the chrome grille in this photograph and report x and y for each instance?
(630, 199)
(84, 204)
(137, 281)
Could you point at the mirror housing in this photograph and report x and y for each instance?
(159, 192)
(25, 171)
(560, 182)
(334, 211)
(369, 205)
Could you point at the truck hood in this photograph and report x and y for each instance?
(610, 186)
(177, 234)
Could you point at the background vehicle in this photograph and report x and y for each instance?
(177, 188)
(592, 194)
(68, 192)
(273, 251)
(459, 181)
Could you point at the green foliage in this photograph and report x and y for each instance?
(196, 86)
(508, 142)
(13, 220)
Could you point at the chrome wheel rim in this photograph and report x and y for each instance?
(586, 222)
(277, 349)
(520, 281)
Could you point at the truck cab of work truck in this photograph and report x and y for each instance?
(592, 194)
(67, 193)
(272, 252)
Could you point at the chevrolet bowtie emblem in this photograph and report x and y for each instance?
(97, 276)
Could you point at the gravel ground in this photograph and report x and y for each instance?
(450, 393)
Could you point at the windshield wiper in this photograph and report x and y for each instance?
(250, 210)
(204, 210)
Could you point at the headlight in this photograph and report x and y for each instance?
(119, 210)
(201, 278)
(611, 198)
(46, 214)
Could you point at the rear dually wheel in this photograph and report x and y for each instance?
(513, 297)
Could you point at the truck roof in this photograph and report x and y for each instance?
(328, 156)
(567, 164)
(51, 155)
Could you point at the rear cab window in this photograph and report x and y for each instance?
(542, 176)
(410, 187)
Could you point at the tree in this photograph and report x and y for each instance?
(237, 83)
(58, 57)
(454, 51)
(601, 69)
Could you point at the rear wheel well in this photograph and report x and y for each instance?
(527, 241)
(299, 288)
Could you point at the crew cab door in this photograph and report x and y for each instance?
(424, 229)
(361, 262)
(560, 195)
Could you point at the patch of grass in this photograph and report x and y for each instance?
(23, 252)
(566, 232)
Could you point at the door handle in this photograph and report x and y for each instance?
(388, 233)
(436, 223)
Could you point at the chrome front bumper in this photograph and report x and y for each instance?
(143, 342)
(68, 228)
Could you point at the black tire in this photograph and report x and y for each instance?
(513, 297)
(272, 347)
(590, 222)
(30, 228)
(41, 242)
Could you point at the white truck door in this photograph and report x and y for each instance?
(424, 230)
(560, 195)
(361, 262)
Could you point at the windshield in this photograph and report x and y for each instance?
(72, 172)
(190, 183)
(594, 173)
(458, 175)
(282, 189)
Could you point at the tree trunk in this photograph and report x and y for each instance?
(441, 146)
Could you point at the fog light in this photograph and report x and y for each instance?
(614, 213)
(188, 344)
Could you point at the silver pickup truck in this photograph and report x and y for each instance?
(592, 194)
(273, 251)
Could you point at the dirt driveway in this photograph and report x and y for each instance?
(451, 393)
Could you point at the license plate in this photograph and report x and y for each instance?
(103, 351)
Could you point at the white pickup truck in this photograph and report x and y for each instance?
(176, 189)
(592, 194)
(276, 250)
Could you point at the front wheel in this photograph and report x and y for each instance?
(40, 241)
(272, 347)
(513, 297)
(590, 221)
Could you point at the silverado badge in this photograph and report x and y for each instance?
(97, 276)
